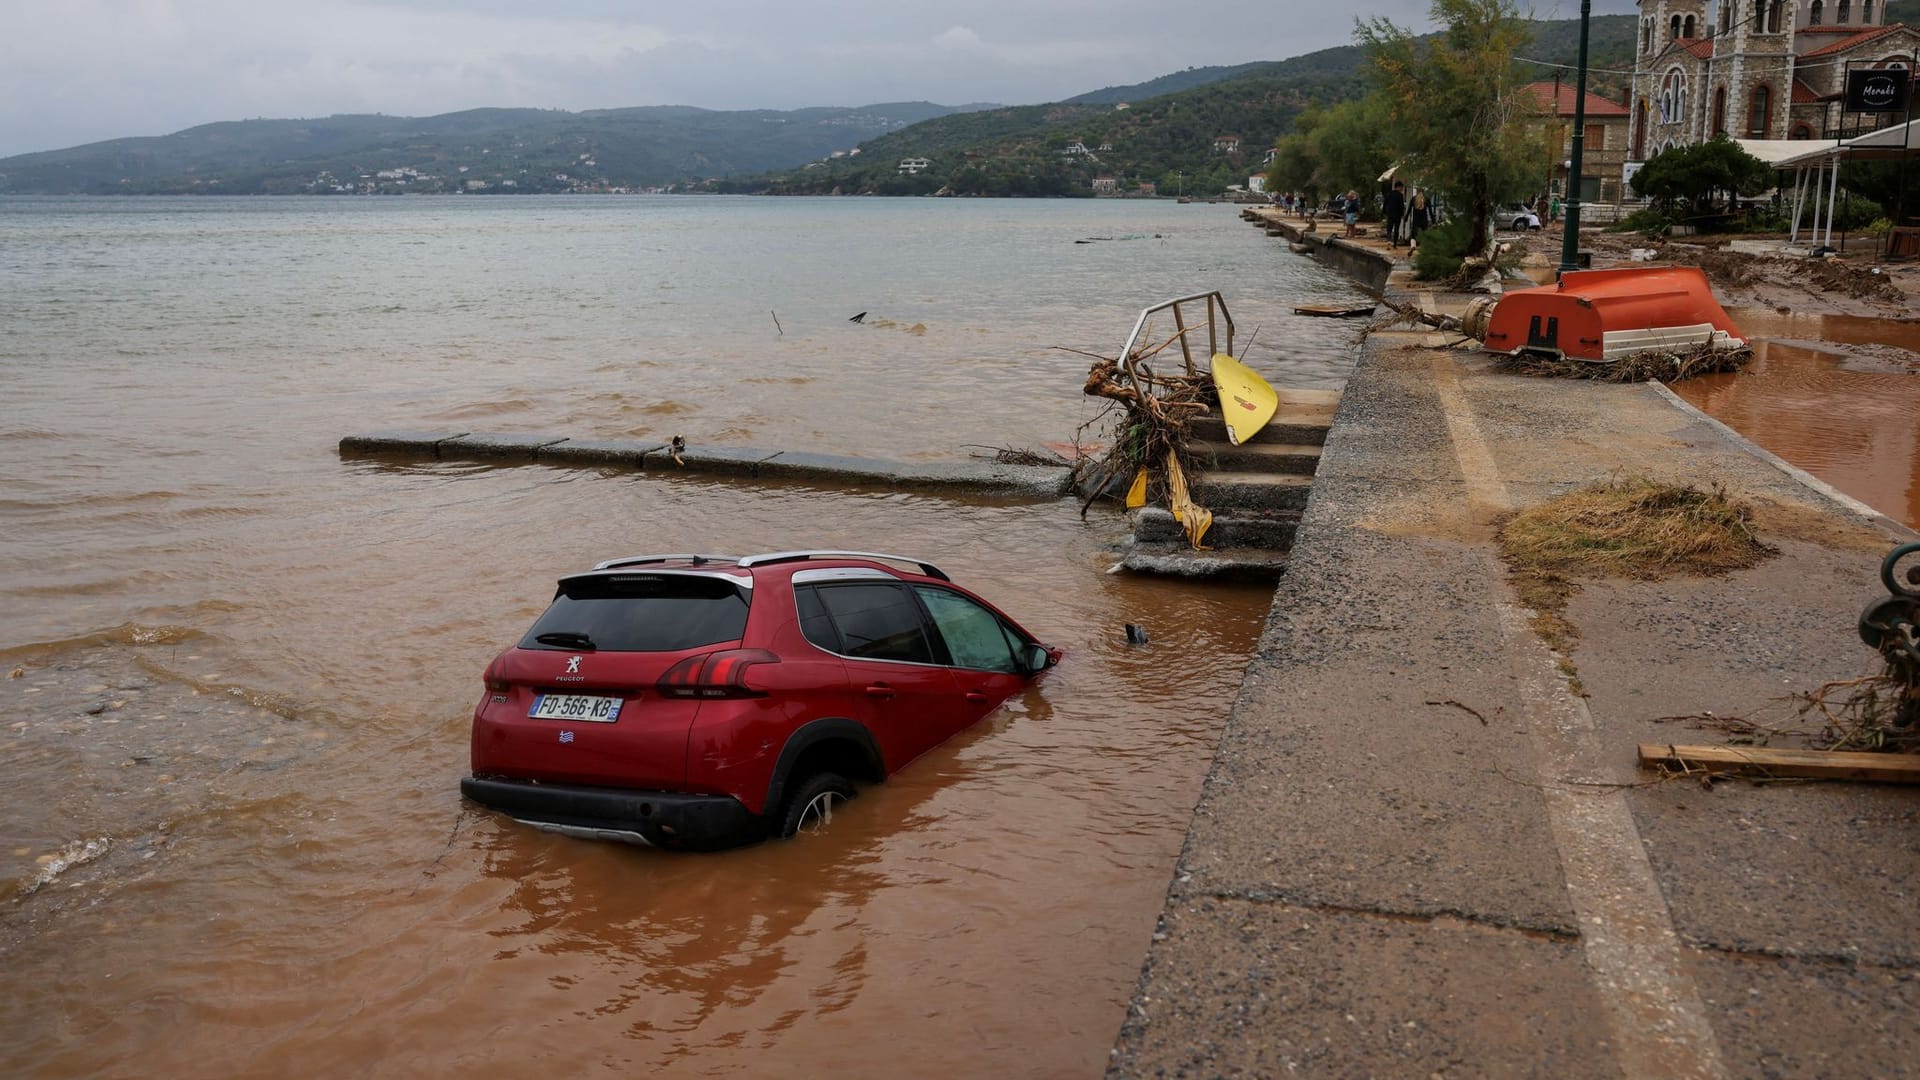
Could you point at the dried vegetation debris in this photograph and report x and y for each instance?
(1731, 269)
(1664, 365)
(1632, 527)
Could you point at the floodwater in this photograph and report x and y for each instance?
(243, 668)
(1852, 421)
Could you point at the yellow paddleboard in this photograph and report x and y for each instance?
(1246, 401)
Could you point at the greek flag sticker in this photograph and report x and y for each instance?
(566, 736)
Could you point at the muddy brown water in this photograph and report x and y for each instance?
(234, 844)
(1838, 396)
(292, 879)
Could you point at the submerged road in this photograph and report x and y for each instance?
(1425, 847)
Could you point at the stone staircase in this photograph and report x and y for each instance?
(1255, 490)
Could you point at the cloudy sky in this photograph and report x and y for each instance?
(78, 71)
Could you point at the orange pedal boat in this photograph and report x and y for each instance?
(1605, 315)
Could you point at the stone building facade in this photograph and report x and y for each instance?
(1757, 69)
(1604, 149)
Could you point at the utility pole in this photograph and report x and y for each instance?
(1570, 241)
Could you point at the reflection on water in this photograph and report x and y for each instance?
(271, 742)
(1852, 426)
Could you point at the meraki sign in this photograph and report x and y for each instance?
(1877, 90)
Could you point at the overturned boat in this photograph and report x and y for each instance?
(1606, 315)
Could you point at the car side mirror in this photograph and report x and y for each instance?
(1035, 658)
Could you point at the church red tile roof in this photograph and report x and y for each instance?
(1861, 38)
(1701, 48)
(1597, 106)
(1804, 94)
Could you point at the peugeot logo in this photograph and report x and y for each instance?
(573, 665)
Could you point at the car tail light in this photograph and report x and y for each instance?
(495, 684)
(715, 675)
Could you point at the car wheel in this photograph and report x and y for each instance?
(1519, 224)
(813, 803)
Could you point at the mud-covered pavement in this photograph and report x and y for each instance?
(1426, 848)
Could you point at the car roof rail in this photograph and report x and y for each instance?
(636, 560)
(771, 557)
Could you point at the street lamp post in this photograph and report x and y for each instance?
(1570, 240)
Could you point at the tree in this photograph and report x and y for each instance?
(1455, 111)
(1697, 174)
(1352, 145)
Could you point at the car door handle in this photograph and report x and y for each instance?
(880, 690)
(977, 697)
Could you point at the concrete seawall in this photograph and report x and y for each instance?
(1366, 265)
(1424, 849)
(1036, 482)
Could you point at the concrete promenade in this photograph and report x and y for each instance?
(1421, 851)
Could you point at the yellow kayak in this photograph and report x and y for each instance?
(1246, 401)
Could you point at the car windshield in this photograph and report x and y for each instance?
(640, 613)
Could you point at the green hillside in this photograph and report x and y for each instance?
(1198, 140)
(483, 150)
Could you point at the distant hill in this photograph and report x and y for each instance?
(1209, 134)
(1169, 84)
(1198, 130)
(482, 150)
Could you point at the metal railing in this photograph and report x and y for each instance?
(1216, 316)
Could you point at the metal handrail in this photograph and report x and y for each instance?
(1215, 302)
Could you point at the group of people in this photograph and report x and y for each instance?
(1405, 216)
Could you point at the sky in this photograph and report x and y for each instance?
(80, 71)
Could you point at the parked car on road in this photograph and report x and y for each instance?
(705, 701)
(1519, 216)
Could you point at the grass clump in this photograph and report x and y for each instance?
(1663, 365)
(1631, 527)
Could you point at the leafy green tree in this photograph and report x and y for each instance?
(1453, 100)
(1351, 146)
(1698, 175)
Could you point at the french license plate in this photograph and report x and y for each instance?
(599, 710)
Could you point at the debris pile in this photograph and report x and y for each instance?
(1664, 365)
(1151, 435)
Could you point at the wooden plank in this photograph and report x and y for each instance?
(1825, 764)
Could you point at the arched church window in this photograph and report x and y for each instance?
(1687, 28)
(1726, 16)
(1814, 12)
(1773, 15)
(1673, 28)
(1866, 12)
(1720, 111)
(1758, 112)
(1845, 12)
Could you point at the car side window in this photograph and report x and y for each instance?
(975, 637)
(875, 622)
(815, 623)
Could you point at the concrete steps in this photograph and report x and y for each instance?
(1255, 491)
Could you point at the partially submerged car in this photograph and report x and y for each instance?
(706, 701)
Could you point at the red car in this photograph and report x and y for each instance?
(704, 701)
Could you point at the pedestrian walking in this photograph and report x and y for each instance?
(1396, 208)
(1419, 216)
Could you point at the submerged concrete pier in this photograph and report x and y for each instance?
(1425, 847)
(1037, 482)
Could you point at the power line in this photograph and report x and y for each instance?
(1573, 67)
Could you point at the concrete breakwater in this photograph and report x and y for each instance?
(1424, 847)
(1039, 482)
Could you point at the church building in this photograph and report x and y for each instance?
(1757, 69)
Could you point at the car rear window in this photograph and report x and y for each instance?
(641, 613)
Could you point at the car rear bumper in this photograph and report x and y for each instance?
(658, 818)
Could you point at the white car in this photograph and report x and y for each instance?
(1519, 216)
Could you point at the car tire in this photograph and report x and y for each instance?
(811, 807)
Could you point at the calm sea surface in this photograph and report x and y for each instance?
(242, 668)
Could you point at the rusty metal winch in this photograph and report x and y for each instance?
(1892, 626)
